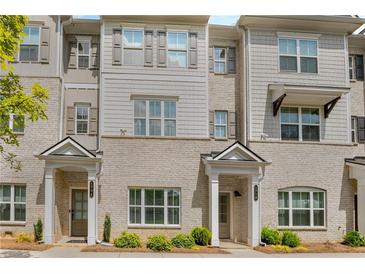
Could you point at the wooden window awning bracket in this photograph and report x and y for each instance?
(277, 103)
(329, 106)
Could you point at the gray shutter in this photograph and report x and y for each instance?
(161, 53)
(148, 48)
(93, 121)
(211, 59)
(231, 60)
(117, 47)
(94, 55)
(361, 129)
(70, 121)
(44, 52)
(72, 56)
(193, 50)
(211, 124)
(232, 125)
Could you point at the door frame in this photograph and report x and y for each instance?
(230, 204)
(71, 188)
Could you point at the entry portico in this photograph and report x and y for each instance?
(70, 156)
(236, 160)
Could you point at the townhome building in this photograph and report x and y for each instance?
(165, 123)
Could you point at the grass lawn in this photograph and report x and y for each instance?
(13, 245)
(329, 247)
(196, 249)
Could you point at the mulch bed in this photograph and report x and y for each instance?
(329, 247)
(13, 245)
(200, 249)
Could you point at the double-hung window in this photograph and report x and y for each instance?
(298, 55)
(220, 60)
(154, 206)
(83, 53)
(177, 49)
(29, 47)
(220, 124)
(356, 67)
(16, 123)
(154, 118)
(352, 67)
(300, 123)
(12, 203)
(133, 47)
(301, 208)
(353, 129)
(82, 119)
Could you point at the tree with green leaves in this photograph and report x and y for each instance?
(14, 101)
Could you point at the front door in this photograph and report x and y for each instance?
(79, 212)
(224, 216)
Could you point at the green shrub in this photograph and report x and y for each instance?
(271, 236)
(24, 238)
(107, 228)
(38, 231)
(183, 240)
(201, 235)
(127, 240)
(290, 239)
(159, 243)
(354, 239)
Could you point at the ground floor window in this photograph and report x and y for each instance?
(154, 206)
(12, 203)
(301, 207)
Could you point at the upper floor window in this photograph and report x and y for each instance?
(29, 48)
(177, 49)
(154, 118)
(82, 119)
(12, 203)
(83, 53)
(16, 123)
(220, 124)
(298, 55)
(300, 123)
(356, 67)
(353, 129)
(133, 47)
(220, 60)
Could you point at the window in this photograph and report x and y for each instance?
(16, 123)
(154, 206)
(154, 118)
(352, 68)
(133, 47)
(29, 48)
(82, 119)
(12, 203)
(353, 129)
(83, 53)
(220, 60)
(299, 124)
(220, 124)
(356, 67)
(177, 45)
(301, 208)
(298, 55)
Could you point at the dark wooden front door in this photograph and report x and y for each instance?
(79, 212)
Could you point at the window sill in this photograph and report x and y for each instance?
(11, 223)
(19, 133)
(301, 142)
(302, 228)
(155, 226)
(220, 138)
(299, 73)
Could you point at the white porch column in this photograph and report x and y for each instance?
(91, 207)
(213, 208)
(49, 204)
(253, 211)
(361, 205)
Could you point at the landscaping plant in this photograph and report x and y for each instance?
(290, 239)
(159, 243)
(24, 238)
(183, 240)
(127, 240)
(107, 228)
(201, 235)
(354, 239)
(38, 231)
(271, 236)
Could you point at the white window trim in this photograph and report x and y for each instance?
(165, 206)
(29, 44)
(12, 205)
(11, 125)
(353, 67)
(134, 48)
(225, 125)
(82, 120)
(354, 129)
(298, 56)
(177, 49)
(83, 40)
(220, 60)
(300, 124)
(311, 208)
(162, 118)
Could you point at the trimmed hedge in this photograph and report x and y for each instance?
(127, 240)
(290, 239)
(201, 235)
(271, 236)
(183, 240)
(354, 239)
(159, 243)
